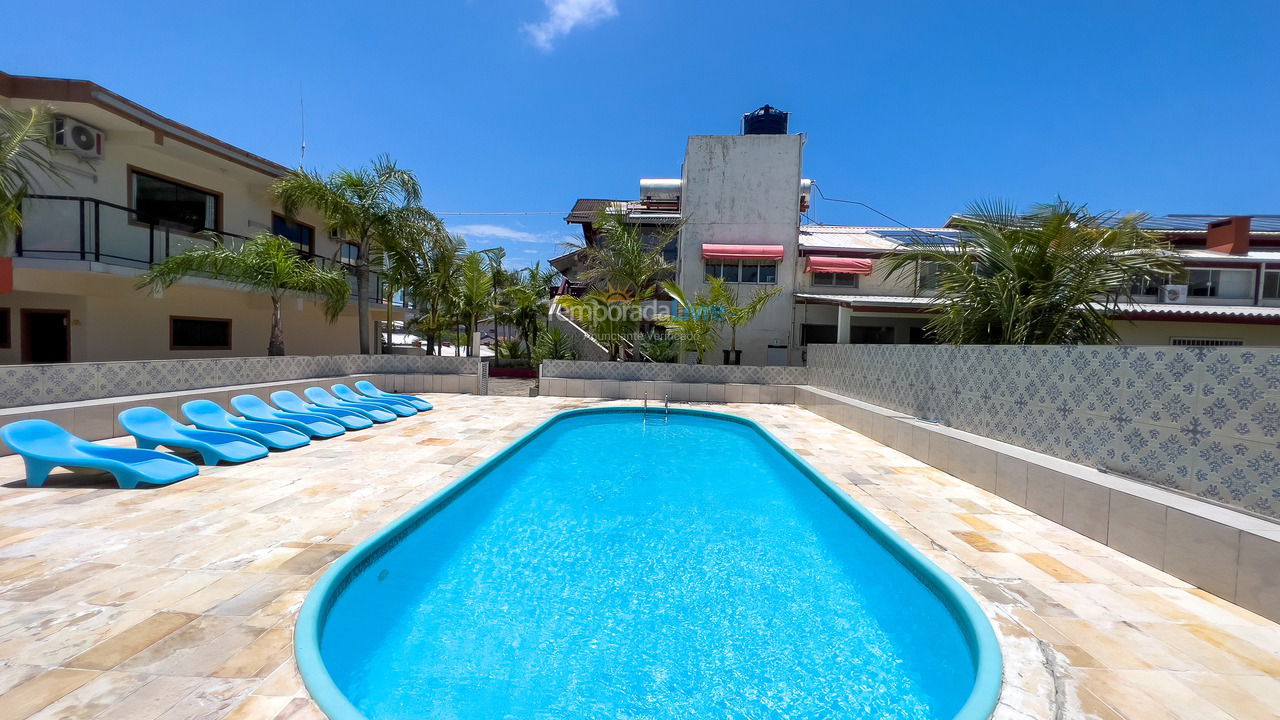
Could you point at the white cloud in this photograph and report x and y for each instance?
(564, 15)
(495, 231)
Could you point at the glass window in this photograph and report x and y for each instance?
(192, 333)
(164, 202)
(1271, 284)
(1230, 284)
(835, 279)
(5, 330)
(1146, 287)
(729, 271)
(824, 334)
(927, 279)
(769, 274)
(750, 273)
(713, 269)
(302, 236)
(670, 251)
(350, 253)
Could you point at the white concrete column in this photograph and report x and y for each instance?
(844, 320)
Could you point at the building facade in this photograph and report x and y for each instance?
(137, 188)
(740, 205)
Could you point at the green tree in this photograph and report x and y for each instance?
(697, 326)
(608, 317)
(553, 344)
(526, 304)
(436, 297)
(26, 141)
(267, 264)
(406, 265)
(736, 313)
(1055, 275)
(369, 206)
(475, 294)
(622, 259)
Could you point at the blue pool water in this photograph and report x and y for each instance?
(614, 569)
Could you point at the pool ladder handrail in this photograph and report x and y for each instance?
(644, 413)
(666, 408)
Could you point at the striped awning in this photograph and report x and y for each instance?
(741, 252)
(842, 265)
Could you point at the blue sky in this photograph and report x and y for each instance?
(525, 105)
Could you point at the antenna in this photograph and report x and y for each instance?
(302, 122)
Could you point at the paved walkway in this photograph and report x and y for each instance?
(511, 387)
(179, 602)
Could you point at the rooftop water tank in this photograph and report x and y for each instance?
(660, 189)
(765, 121)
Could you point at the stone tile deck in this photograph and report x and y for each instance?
(179, 602)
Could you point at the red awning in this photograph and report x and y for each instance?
(741, 252)
(848, 266)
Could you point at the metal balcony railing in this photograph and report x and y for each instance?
(66, 227)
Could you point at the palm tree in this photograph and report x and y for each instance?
(622, 259)
(553, 345)
(475, 294)
(26, 139)
(607, 316)
(1055, 275)
(369, 206)
(406, 266)
(437, 294)
(268, 264)
(737, 314)
(526, 303)
(697, 327)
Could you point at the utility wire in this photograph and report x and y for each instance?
(890, 218)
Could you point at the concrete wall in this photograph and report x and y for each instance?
(1147, 332)
(1201, 421)
(743, 190)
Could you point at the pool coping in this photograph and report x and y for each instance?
(977, 628)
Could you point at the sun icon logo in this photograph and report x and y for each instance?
(617, 295)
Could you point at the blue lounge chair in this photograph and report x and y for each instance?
(151, 427)
(351, 419)
(255, 408)
(44, 446)
(403, 409)
(376, 413)
(208, 415)
(368, 389)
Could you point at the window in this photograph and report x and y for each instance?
(836, 279)
(670, 251)
(1231, 284)
(193, 333)
(5, 339)
(350, 253)
(172, 204)
(745, 272)
(1271, 285)
(927, 276)
(1147, 287)
(302, 236)
(821, 334)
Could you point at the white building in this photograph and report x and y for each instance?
(740, 203)
(140, 187)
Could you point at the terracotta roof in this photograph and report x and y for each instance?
(585, 210)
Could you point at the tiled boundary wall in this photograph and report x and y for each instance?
(25, 385)
(1228, 553)
(1203, 421)
(164, 385)
(674, 381)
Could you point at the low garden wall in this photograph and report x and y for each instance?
(1202, 421)
(23, 385)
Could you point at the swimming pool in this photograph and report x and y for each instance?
(606, 566)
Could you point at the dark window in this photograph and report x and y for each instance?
(5, 338)
(865, 335)
(713, 269)
(670, 251)
(769, 274)
(750, 273)
(729, 271)
(1233, 284)
(302, 236)
(165, 202)
(745, 272)
(921, 335)
(1271, 284)
(190, 333)
(810, 334)
(836, 279)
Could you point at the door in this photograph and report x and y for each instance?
(46, 336)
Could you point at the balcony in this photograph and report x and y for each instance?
(85, 229)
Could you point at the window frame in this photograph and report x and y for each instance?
(1268, 274)
(230, 336)
(1215, 286)
(135, 216)
(739, 264)
(813, 280)
(297, 223)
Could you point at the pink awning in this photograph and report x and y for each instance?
(741, 252)
(847, 266)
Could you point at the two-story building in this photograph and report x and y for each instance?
(137, 188)
(740, 204)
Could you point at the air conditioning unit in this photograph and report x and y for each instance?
(75, 137)
(1176, 294)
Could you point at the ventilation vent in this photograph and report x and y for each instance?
(1204, 342)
